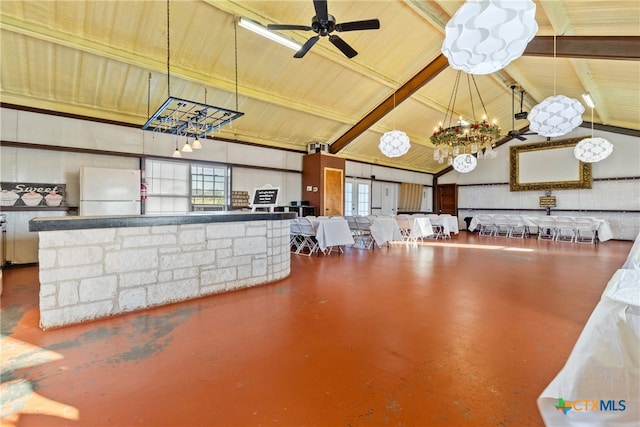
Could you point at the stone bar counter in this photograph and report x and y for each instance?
(95, 267)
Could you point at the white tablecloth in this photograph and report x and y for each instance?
(332, 232)
(603, 229)
(421, 227)
(604, 365)
(385, 230)
(633, 260)
(449, 223)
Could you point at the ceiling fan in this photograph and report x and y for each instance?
(513, 133)
(324, 24)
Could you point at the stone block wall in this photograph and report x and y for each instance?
(93, 273)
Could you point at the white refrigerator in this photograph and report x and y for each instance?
(106, 191)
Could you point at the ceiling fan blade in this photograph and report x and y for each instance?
(343, 46)
(322, 13)
(369, 24)
(276, 27)
(305, 47)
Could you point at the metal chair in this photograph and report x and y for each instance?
(586, 230)
(565, 229)
(546, 228)
(486, 226)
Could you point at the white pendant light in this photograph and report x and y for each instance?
(465, 163)
(394, 144)
(186, 148)
(591, 150)
(594, 149)
(556, 116)
(484, 36)
(176, 153)
(196, 145)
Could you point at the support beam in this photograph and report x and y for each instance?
(591, 47)
(402, 94)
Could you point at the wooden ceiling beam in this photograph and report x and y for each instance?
(625, 48)
(402, 94)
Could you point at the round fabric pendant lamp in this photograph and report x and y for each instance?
(592, 150)
(484, 36)
(394, 143)
(465, 163)
(556, 116)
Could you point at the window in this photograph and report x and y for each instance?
(209, 186)
(167, 186)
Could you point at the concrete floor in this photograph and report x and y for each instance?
(462, 333)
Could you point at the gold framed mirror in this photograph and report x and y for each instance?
(548, 165)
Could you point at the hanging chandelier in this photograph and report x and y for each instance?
(484, 36)
(452, 139)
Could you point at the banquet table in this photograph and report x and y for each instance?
(332, 232)
(385, 230)
(603, 228)
(603, 369)
(449, 223)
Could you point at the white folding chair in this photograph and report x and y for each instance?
(501, 225)
(586, 229)
(308, 236)
(517, 228)
(436, 225)
(405, 222)
(364, 228)
(546, 228)
(485, 225)
(565, 230)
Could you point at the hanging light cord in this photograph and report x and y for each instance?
(484, 109)
(555, 60)
(452, 103)
(168, 54)
(235, 31)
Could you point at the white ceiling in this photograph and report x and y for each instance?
(108, 60)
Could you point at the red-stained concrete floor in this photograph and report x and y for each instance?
(462, 333)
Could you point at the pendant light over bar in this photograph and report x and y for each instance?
(186, 118)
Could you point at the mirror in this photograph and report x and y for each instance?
(548, 165)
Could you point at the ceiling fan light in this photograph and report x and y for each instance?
(592, 150)
(394, 144)
(556, 116)
(484, 36)
(465, 163)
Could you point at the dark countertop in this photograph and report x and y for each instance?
(87, 222)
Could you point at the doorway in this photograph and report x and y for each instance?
(447, 199)
(357, 196)
(333, 197)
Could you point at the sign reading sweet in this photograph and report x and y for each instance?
(29, 194)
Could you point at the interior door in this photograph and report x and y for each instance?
(447, 199)
(388, 199)
(333, 197)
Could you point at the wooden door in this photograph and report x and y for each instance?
(447, 199)
(333, 197)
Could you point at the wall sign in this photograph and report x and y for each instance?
(265, 197)
(29, 194)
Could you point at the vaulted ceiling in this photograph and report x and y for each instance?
(110, 60)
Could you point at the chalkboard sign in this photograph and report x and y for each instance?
(265, 197)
